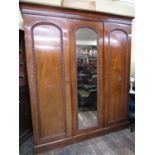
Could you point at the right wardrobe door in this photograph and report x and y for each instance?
(117, 48)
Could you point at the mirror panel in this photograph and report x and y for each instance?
(86, 58)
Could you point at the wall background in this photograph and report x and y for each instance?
(132, 72)
(109, 6)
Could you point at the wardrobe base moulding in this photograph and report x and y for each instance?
(79, 138)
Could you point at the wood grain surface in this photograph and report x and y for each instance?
(51, 64)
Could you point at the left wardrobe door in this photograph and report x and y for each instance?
(48, 75)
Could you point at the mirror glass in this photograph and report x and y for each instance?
(86, 58)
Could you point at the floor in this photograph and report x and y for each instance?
(117, 143)
(87, 119)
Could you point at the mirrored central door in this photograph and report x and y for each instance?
(86, 75)
(86, 59)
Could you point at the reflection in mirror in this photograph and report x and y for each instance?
(86, 55)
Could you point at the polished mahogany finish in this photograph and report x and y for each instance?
(75, 25)
(50, 34)
(49, 77)
(117, 60)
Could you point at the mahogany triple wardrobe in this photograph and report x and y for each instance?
(78, 64)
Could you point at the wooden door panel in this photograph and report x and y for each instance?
(97, 27)
(48, 77)
(48, 56)
(117, 59)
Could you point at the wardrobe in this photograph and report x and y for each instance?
(78, 64)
